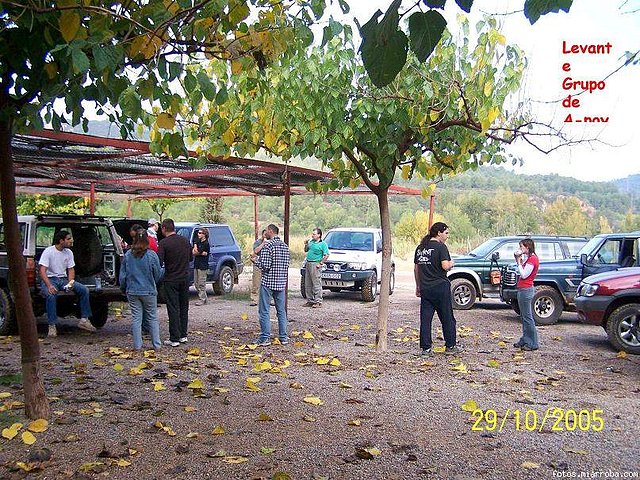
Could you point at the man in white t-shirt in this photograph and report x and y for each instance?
(154, 226)
(57, 272)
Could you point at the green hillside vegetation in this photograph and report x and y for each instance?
(476, 205)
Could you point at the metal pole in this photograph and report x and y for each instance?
(256, 227)
(287, 211)
(92, 199)
(129, 210)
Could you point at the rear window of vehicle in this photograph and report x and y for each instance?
(81, 234)
(3, 244)
(574, 247)
(220, 236)
(549, 251)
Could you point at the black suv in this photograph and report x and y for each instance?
(471, 275)
(97, 252)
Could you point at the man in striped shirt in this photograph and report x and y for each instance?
(273, 262)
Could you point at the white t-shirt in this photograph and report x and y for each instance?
(56, 261)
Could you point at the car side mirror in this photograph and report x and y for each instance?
(584, 259)
(495, 256)
(378, 246)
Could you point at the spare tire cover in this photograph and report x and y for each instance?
(87, 251)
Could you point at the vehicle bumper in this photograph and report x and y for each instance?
(509, 295)
(343, 279)
(591, 310)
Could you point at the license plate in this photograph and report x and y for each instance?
(331, 275)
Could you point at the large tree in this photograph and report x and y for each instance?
(435, 119)
(133, 60)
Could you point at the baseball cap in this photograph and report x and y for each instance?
(152, 221)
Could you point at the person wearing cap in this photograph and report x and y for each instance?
(154, 226)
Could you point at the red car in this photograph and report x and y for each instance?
(612, 300)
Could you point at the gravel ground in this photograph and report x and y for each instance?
(390, 415)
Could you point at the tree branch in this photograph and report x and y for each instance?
(361, 170)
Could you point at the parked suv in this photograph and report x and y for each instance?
(225, 262)
(97, 253)
(354, 263)
(557, 282)
(612, 300)
(471, 277)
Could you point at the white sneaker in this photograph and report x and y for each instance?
(169, 343)
(183, 340)
(53, 331)
(85, 324)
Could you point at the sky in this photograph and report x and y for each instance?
(589, 22)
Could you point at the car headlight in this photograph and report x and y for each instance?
(357, 265)
(587, 289)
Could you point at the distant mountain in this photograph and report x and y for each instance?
(630, 184)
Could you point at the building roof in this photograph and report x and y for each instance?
(64, 163)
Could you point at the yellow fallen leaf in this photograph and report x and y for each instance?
(374, 451)
(335, 363)
(297, 385)
(220, 389)
(244, 316)
(226, 329)
(218, 430)
(193, 351)
(439, 349)
(308, 335)
(158, 385)
(261, 366)
(4, 395)
(322, 360)
(135, 371)
(313, 401)
(90, 466)
(38, 426)
(27, 467)
(502, 344)
(309, 418)
(196, 384)
(577, 452)
(121, 462)
(622, 354)
(462, 368)
(28, 438)
(356, 423)
(263, 417)
(345, 385)
(493, 363)
(118, 367)
(12, 431)
(235, 459)
(469, 406)
(529, 465)
(192, 435)
(267, 451)
(190, 409)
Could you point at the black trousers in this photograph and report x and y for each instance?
(437, 298)
(177, 308)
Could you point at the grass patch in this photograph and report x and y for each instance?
(11, 379)
(8, 418)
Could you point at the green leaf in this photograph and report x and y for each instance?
(344, 6)
(465, 5)
(129, 102)
(334, 28)
(107, 57)
(435, 3)
(425, 30)
(207, 87)
(534, 9)
(80, 61)
(222, 96)
(383, 47)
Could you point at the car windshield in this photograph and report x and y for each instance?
(590, 246)
(338, 240)
(484, 248)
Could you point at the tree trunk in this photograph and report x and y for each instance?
(35, 399)
(385, 275)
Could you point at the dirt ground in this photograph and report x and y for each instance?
(327, 405)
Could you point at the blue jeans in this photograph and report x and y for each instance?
(529, 332)
(263, 313)
(51, 303)
(437, 298)
(144, 308)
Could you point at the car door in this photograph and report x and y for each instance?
(219, 240)
(605, 258)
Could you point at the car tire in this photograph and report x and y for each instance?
(8, 324)
(547, 305)
(392, 281)
(370, 288)
(463, 293)
(303, 287)
(224, 284)
(621, 326)
(100, 311)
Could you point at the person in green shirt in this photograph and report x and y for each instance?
(317, 253)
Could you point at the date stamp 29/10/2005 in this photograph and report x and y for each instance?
(555, 419)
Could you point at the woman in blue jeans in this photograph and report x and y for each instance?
(528, 268)
(139, 275)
